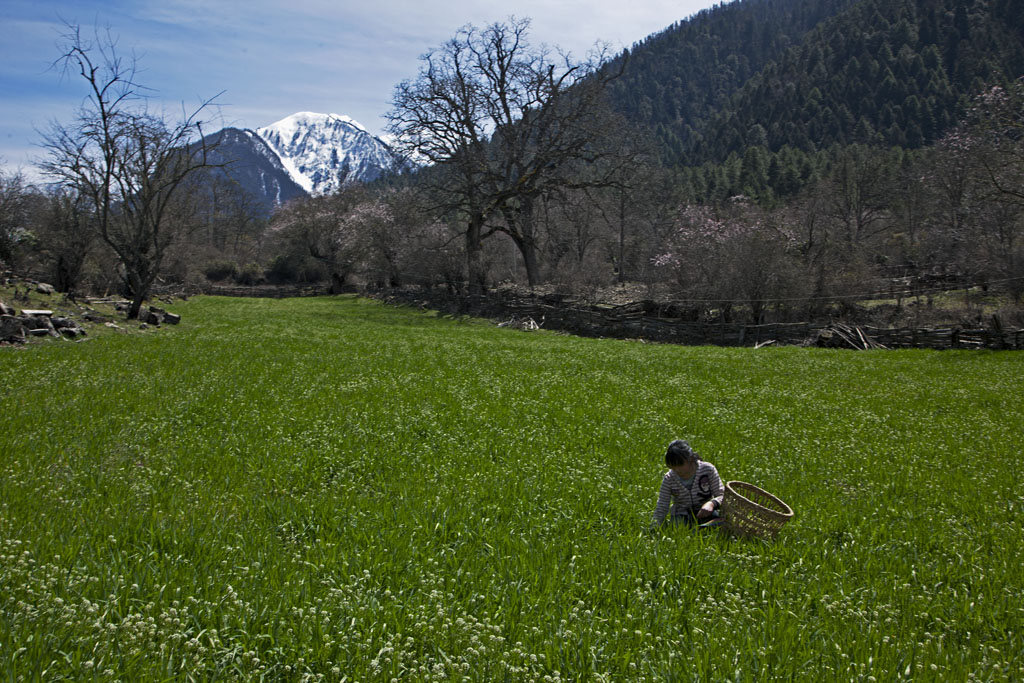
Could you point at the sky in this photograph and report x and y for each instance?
(266, 59)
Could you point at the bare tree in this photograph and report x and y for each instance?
(13, 215)
(126, 161)
(995, 129)
(63, 236)
(314, 228)
(639, 207)
(732, 255)
(505, 122)
(858, 196)
(995, 134)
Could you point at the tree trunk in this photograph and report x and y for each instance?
(529, 252)
(140, 279)
(622, 237)
(68, 271)
(138, 295)
(474, 255)
(337, 283)
(519, 226)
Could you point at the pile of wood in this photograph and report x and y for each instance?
(526, 324)
(840, 335)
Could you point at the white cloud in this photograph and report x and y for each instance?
(273, 59)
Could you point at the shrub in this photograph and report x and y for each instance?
(249, 274)
(290, 268)
(220, 269)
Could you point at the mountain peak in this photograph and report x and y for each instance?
(322, 152)
(305, 119)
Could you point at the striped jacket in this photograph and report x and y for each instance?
(707, 485)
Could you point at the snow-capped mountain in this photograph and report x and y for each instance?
(322, 152)
(300, 155)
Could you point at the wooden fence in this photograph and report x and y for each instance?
(635, 321)
(265, 291)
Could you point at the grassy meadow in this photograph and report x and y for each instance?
(333, 490)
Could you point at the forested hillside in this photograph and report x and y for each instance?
(778, 74)
(675, 81)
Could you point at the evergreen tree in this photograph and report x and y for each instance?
(812, 75)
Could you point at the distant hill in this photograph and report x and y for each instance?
(812, 74)
(255, 167)
(674, 82)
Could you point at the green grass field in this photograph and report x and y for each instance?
(330, 489)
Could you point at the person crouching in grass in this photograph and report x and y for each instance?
(691, 485)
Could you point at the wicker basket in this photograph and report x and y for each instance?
(750, 511)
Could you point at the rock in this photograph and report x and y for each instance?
(39, 325)
(44, 288)
(144, 326)
(172, 319)
(67, 327)
(11, 328)
(6, 310)
(150, 317)
(37, 321)
(112, 325)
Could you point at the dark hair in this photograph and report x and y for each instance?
(679, 453)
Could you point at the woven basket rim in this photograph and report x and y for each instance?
(787, 512)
